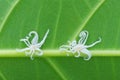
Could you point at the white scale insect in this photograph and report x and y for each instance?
(33, 47)
(79, 47)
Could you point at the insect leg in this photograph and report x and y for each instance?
(93, 43)
(31, 56)
(43, 40)
(26, 41)
(40, 53)
(22, 50)
(85, 51)
(78, 55)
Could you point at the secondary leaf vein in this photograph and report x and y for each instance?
(56, 26)
(86, 20)
(56, 68)
(8, 14)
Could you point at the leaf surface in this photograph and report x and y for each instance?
(65, 19)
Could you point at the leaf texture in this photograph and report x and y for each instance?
(65, 19)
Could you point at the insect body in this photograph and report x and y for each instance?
(33, 47)
(79, 47)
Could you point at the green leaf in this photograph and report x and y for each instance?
(65, 19)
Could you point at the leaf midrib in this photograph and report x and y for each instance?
(57, 53)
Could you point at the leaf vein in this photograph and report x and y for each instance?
(56, 26)
(56, 68)
(8, 14)
(52, 52)
(2, 76)
(86, 20)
